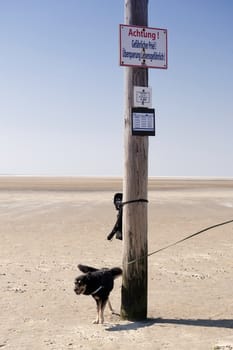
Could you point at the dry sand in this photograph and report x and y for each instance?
(49, 225)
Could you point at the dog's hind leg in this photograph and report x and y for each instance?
(112, 310)
(110, 306)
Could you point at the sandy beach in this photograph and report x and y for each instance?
(49, 225)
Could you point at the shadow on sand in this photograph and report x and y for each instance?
(158, 321)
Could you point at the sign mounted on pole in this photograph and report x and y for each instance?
(142, 96)
(143, 121)
(143, 47)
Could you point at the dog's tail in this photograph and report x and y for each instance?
(116, 272)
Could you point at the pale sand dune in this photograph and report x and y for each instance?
(49, 225)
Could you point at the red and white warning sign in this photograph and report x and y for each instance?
(143, 47)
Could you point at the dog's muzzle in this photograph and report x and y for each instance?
(79, 290)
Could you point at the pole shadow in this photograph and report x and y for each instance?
(220, 323)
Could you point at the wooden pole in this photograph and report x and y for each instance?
(134, 285)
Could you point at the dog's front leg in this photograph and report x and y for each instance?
(102, 307)
(100, 310)
(98, 304)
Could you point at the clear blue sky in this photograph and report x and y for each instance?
(62, 90)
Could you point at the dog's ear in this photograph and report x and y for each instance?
(86, 269)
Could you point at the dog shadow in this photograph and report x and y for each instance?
(220, 323)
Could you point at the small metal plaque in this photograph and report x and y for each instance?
(142, 96)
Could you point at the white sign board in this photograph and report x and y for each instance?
(143, 47)
(142, 96)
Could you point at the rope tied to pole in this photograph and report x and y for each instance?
(134, 201)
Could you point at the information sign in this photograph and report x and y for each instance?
(143, 121)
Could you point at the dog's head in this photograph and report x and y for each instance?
(80, 285)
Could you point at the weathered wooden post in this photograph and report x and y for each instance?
(141, 48)
(134, 286)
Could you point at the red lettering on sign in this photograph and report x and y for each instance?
(143, 34)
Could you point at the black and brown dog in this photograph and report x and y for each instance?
(98, 283)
